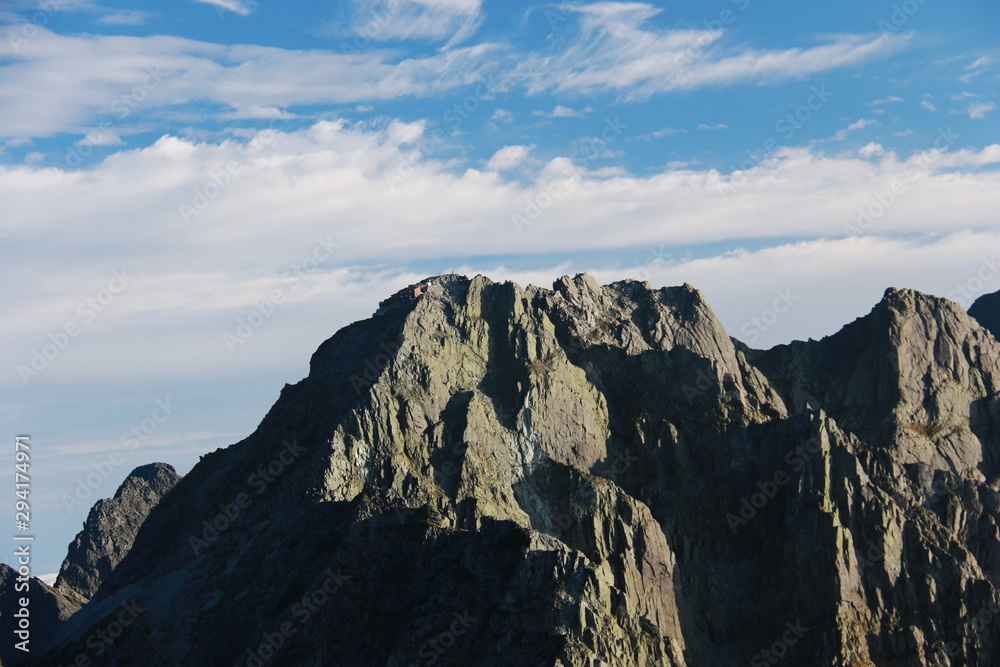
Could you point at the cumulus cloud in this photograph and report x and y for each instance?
(351, 172)
(229, 210)
(508, 157)
(871, 149)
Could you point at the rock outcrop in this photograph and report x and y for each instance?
(47, 608)
(106, 537)
(588, 475)
(110, 529)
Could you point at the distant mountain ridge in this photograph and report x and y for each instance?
(485, 474)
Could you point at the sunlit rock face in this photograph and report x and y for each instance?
(485, 474)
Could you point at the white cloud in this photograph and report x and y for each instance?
(92, 78)
(565, 112)
(616, 50)
(101, 78)
(241, 7)
(927, 104)
(861, 124)
(315, 213)
(982, 61)
(892, 99)
(857, 125)
(561, 111)
(833, 280)
(662, 132)
(101, 138)
(975, 68)
(509, 157)
(871, 149)
(978, 110)
(125, 17)
(720, 126)
(502, 116)
(387, 20)
(339, 171)
(291, 187)
(257, 111)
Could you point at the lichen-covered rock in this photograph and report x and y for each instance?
(588, 475)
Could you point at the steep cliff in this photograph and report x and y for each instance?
(111, 527)
(580, 476)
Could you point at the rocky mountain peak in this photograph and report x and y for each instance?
(111, 527)
(589, 475)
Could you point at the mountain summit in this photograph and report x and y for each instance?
(484, 474)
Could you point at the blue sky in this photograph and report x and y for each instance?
(169, 171)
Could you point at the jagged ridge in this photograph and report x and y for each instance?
(497, 475)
